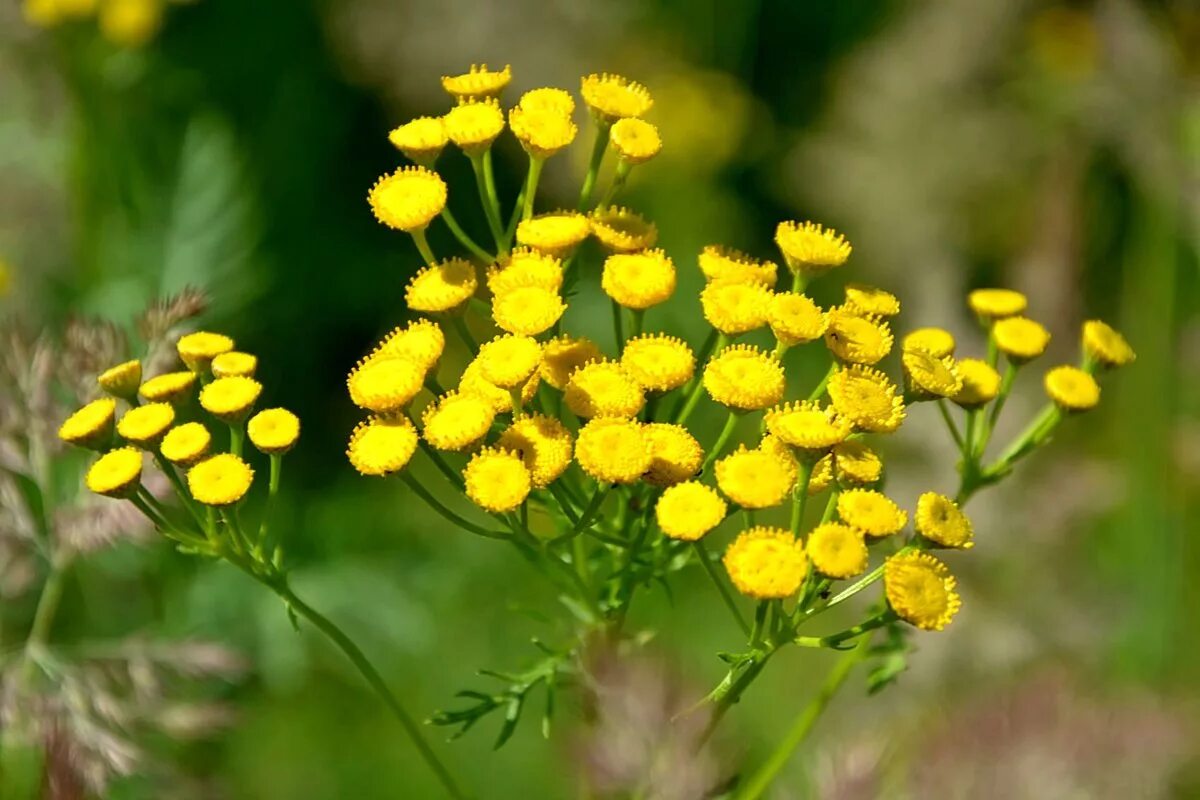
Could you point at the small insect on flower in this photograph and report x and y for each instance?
(603, 389)
(755, 478)
(659, 363)
(639, 280)
(171, 387)
(457, 420)
(856, 339)
(811, 249)
(122, 380)
(230, 399)
(745, 378)
(1020, 339)
(612, 97)
(384, 384)
(1072, 389)
(274, 431)
(234, 364)
(728, 265)
(420, 140)
(509, 360)
(930, 377)
(544, 444)
(980, 383)
(621, 230)
(941, 521)
(735, 308)
(806, 425)
(541, 132)
(474, 125)
(555, 234)
(408, 199)
(144, 426)
(90, 426)
(766, 563)
(675, 454)
(381, 446)
(117, 473)
(687, 511)
(871, 512)
(421, 342)
(837, 551)
(221, 480)
(565, 354)
(866, 397)
(186, 444)
(869, 300)
(442, 287)
(635, 141)
(921, 590)
(991, 304)
(497, 480)
(1106, 346)
(613, 450)
(548, 98)
(935, 341)
(795, 319)
(477, 82)
(199, 349)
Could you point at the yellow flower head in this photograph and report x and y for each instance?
(675, 455)
(90, 426)
(122, 380)
(234, 364)
(855, 339)
(548, 99)
(735, 308)
(855, 464)
(526, 267)
(1020, 339)
(478, 82)
(472, 382)
(408, 199)
(622, 230)
(773, 445)
(117, 473)
(613, 450)
(867, 398)
(221, 480)
(611, 97)
(634, 140)
(171, 387)
(806, 425)
(603, 389)
(199, 349)
(755, 478)
(938, 342)
(871, 512)
(145, 425)
(274, 431)
(230, 399)
(766, 563)
(563, 355)
(868, 300)
(556, 234)
(421, 342)
(929, 376)
(811, 249)
(744, 378)
(541, 132)
(996, 303)
(659, 363)
(639, 280)
(1103, 344)
(130, 23)
(687, 511)
(1072, 389)
(457, 420)
(528, 310)
(186, 444)
(509, 360)
(941, 521)
(725, 264)
(384, 384)
(474, 125)
(795, 319)
(980, 383)
(544, 444)
(837, 551)
(442, 287)
(921, 590)
(421, 140)
(382, 446)
(497, 480)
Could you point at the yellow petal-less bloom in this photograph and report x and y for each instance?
(442, 287)
(382, 446)
(199, 349)
(473, 382)
(935, 341)
(556, 234)
(130, 23)
(855, 339)
(421, 140)
(477, 82)
(634, 140)
(659, 363)
(921, 590)
(457, 420)
(728, 265)
(766, 563)
(855, 464)
(687, 511)
(186, 444)
(866, 397)
(509, 360)
(744, 378)
(528, 310)
(735, 308)
(144, 426)
(497, 480)
(170, 387)
(117, 473)
(384, 384)
(474, 125)
(221, 480)
(639, 280)
(234, 364)
(837, 551)
(869, 300)
(871, 512)
(611, 97)
(542, 133)
(526, 267)
(1072, 389)
(1020, 338)
(274, 431)
(421, 341)
(980, 383)
(675, 455)
(563, 355)
(811, 249)
(795, 319)
(773, 445)
(408, 199)
(122, 380)
(603, 389)
(613, 450)
(621, 230)
(544, 444)
(230, 399)
(1103, 344)
(806, 425)
(754, 478)
(941, 521)
(997, 303)
(548, 98)
(91, 426)
(928, 376)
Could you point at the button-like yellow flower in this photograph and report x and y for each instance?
(1020, 339)
(603, 389)
(613, 450)
(234, 364)
(542, 133)
(611, 97)
(745, 378)
(565, 354)
(687, 511)
(442, 287)
(795, 319)
(199, 349)
(91, 426)
(639, 280)
(855, 464)
(980, 383)
(457, 420)
(941, 521)
(659, 363)
(869, 300)
(117, 473)
(811, 249)
(806, 425)
(548, 99)
(755, 478)
(837, 551)
(384, 384)
(144, 426)
(936, 341)
(556, 234)
(997, 303)
(221, 480)
(274, 431)
(186, 444)
(719, 263)
(1103, 344)
(122, 380)
(921, 590)
(230, 399)
(1072, 389)
(622, 230)
(497, 480)
(871, 512)
(421, 341)
(675, 455)
(382, 446)
(477, 82)
(509, 360)
(130, 23)
(500, 399)
(766, 563)
(735, 308)
(526, 267)
(474, 125)
(421, 140)
(855, 339)
(171, 387)
(544, 444)
(528, 310)
(866, 397)
(634, 140)
(930, 377)
(408, 199)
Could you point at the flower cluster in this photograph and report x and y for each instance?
(125, 23)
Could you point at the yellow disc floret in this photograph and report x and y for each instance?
(1103, 344)
(230, 399)
(199, 349)
(871, 512)
(921, 590)
(91, 426)
(980, 383)
(556, 234)
(622, 230)
(497, 480)
(421, 341)
(806, 425)
(274, 431)
(442, 286)
(563, 355)
(725, 264)
(745, 378)
(687, 511)
(611, 97)
(509, 360)
(941, 521)
(1020, 338)
(145, 425)
(603, 389)
(122, 380)
(1072, 389)
(866, 397)
(929, 376)
(457, 420)
(234, 364)
(384, 384)
(613, 450)
(477, 82)
(659, 363)
(221, 480)
(735, 308)
(541, 132)
(408, 199)
(936, 341)
(996, 303)
(171, 387)
(755, 478)
(548, 98)
(528, 310)
(639, 280)
(117, 473)
(474, 125)
(795, 319)
(766, 563)
(675, 455)
(837, 551)
(634, 140)
(526, 267)
(855, 464)
(186, 444)
(421, 140)
(544, 444)
(856, 339)
(382, 446)
(869, 300)
(811, 249)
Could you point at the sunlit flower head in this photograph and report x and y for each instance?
(555, 234)
(199, 349)
(420, 341)
(868, 300)
(91, 426)
(639, 280)
(509, 360)
(130, 23)
(382, 446)
(565, 354)
(941, 521)
(122, 380)
(675, 455)
(980, 383)
(385, 384)
(528, 310)
(928, 376)
(866, 397)
(621, 230)
(687, 511)
(773, 445)
(170, 387)
(795, 319)
(408, 199)
(144, 426)
(854, 464)
(603, 389)
(809, 248)
(871, 512)
(230, 399)
(420, 140)
(755, 478)
(477, 82)
(548, 98)
(658, 362)
(735, 308)
(234, 364)
(221, 480)
(745, 378)
(837, 551)
(457, 420)
(526, 267)
(806, 425)
(611, 97)
(500, 399)
(544, 444)
(935, 341)
(497, 480)
(186, 444)
(613, 450)
(766, 563)
(635, 141)
(1072, 389)
(474, 125)
(997, 303)
(274, 431)
(921, 590)
(719, 263)
(1020, 338)
(442, 287)
(117, 473)
(856, 339)
(1104, 345)
(541, 132)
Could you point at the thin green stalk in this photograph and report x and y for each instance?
(418, 237)
(436, 457)
(589, 180)
(237, 438)
(618, 325)
(950, 424)
(262, 545)
(465, 240)
(989, 427)
(531, 184)
(47, 608)
(486, 183)
(151, 512)
(638, 315)
(820, 387)
(181, 491)
(800, 495)
(449, 515)
(831, 506)
(618, 183)
(588, 515)
(458, 323)
(722, 589)
(731, 421)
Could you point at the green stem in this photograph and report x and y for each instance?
(618, 182)
(820, 387)
(485, 181)
(989, 426)
(463, 239)
(731, 422)
(618, 325)
(800, 495)
(953, 428)
(262, 546)
(588, 515)
(44, 614)
(722, 589)
(449, 515)
(237, 437)
(418, 237)
(531, 184)
(458, 323)
(589, 180)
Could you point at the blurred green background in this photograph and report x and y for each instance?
(1049, 147)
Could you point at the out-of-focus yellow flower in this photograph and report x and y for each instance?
(544, 444)
(1103, 344)
(921, 590)
(935, 341)
(719, 263)
(274, 431)
(806, 425)
(442, 287)
(795, 319)
(90, 426)
(380, 446)
(675, 455)
(541, 132)
(744, 378)
(837, 551)
(122, 380)
(528, 310)
(497, 480)
(509, 360)
(611, 97)
(1020, 339)
(565, 354)
(117, 473)
(755, 478)
(420, 140)
(997, 303)
(144, 426)
(556, 234)
(735, 308)
(635, 140)
(230, 399)
(929, 376)
(871, 512)
(613, 450)
(478, 82)
(811, 249)
(687, 511)
(170, 387)
(130, 23)
(659, 363)
(980, 383)
(639, 280)
(457, 420)
(941, 521)
(1072, 389)
(408, 199)
(474, 125)
(868, 300)
(621, 230)
(221, 480)
(421, 341)
(384, 385)
(186, 444)
(603, 389)
(199, 349)
(856, 339)
(548, 98)
(234, 364)
(766, 563)
(866, 397)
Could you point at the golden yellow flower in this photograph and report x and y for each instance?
(613, 450)
(234, 364)
(199, 349)
(659, 363)
(603, 389)
(556, 234)
(548, 99)
(855, 339)
(441, 287)
(806, 425)
(90, 426)
(871, 512)
(130, 23)
(773, 445)
(509, 360)
(421, 342)
(639, 280)
(755, 478)
(230, 399)
(795, 319)
(855, 464)
(811, 249)
(382, 446)
(544, 444)
(408, 199)
(870, 301)
(996, 303)
(941, 521)
(274, 431)
(929, 376)
(611, 97)
(837, 551)
(563, 355)
(980, 383)
(117, 473)
(675, 455)
(622, 230)
(935, 341)
(866, 397)
(527, 311)
(457, 420)
(384, 384)
(122, 380)
(735, 308)
(186, 444)
(745, 378)
(921, 590)
(497, 480)
(766, 563)
(719, 263)
(1104, 345)
(145, 425)
(474, 125)
(221, 480)
(526, 267)
(1020, 339)
(541, 132)
(687, 511)
(635, 141)
(500, 399)
(1072, 389)
(170, 387)
(477, 82)
(421, 140)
